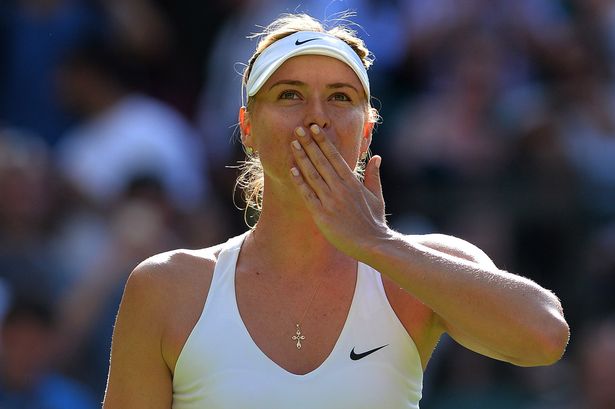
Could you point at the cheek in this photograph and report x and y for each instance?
(350, 131)
(271, 138)
(271, 132)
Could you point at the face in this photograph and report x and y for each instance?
(305, 90)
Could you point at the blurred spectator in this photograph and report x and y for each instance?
(26, 209)
(597, 366)
(34, 36)
(177, 77)
(450, 130)
(138, 229)
(473, 382)
(138, 27)
(522, 25)
(26, 378)
(125, 135)
(598, 277)
(586, 121)
(499, 127)
(143, 32)
(597, 22)
(541, 193)
(549, 387)
(5, 298)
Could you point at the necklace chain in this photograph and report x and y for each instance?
(298, 337)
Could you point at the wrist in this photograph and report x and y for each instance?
(380, 245)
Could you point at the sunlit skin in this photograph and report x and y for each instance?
(310, 124)
(306, 90)
(315, 208)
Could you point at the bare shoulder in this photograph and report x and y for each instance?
(175, 284)
(454, 246)
(161, 303)
(168, 270)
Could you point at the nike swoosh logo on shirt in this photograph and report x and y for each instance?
(355, 357)
(297, 42)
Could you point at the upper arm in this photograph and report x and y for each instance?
(457, 247)
(138, 375)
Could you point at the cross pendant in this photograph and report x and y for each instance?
(298, 337)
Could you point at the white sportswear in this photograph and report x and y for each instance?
(220, 366)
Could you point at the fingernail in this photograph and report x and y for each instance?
(377, 161)
(294, 171)
(299, 131)
(296, 145)
(315, 128)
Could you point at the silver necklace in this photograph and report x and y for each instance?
(299, 336)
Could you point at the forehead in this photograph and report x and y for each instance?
(315, 68)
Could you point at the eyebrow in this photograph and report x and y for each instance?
(287, 82)
(343, 85)
(335, 85)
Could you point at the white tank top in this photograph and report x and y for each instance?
(220, 366)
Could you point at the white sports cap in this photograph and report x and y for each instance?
(302, 43)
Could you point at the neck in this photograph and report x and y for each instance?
(288, 240)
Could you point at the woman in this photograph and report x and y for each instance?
(321, 304)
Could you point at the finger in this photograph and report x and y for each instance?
(372, 176)
(309, 173)
(309, 196)
(317, 157)
(331, 153)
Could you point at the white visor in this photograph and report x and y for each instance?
(301, 43)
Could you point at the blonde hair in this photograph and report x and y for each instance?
(251, 178)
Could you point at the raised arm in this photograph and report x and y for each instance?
(488, 310)
(138, 376)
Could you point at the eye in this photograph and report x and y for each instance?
(340, 96)
(289, 94)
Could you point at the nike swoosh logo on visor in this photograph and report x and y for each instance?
(355, 357)
(297, 42)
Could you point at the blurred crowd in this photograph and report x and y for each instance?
(118, 140)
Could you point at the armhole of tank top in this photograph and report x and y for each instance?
(229, 245)
(392, 314)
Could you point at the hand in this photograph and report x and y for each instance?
(350, 214)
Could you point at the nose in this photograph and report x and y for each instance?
(316, 113)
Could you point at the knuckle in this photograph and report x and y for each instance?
(338, 206)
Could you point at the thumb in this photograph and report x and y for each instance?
(372, 176)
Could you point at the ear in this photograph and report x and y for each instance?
(244, 125)
(367, 136)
